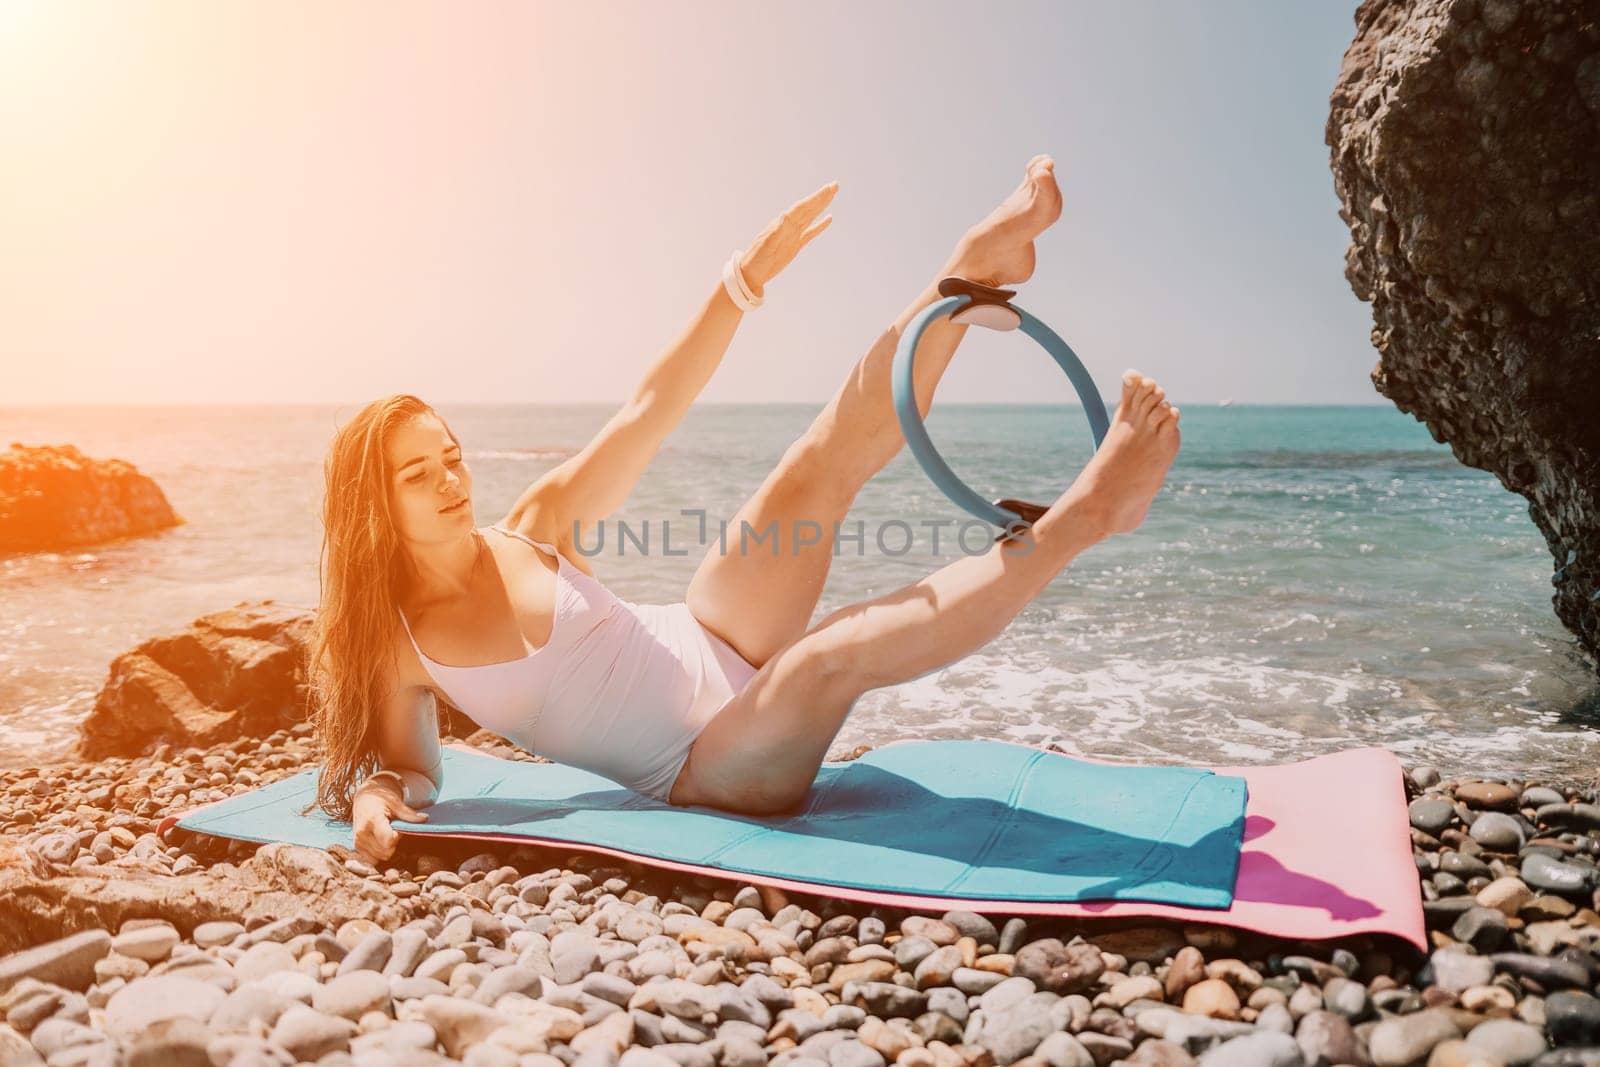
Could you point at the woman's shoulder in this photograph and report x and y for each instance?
(404, 669)
(549, 530)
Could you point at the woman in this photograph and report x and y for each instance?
(728, 698)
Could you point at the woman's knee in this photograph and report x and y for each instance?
(846, 658)
(818, 474)
(823, 666)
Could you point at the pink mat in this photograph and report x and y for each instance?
(1327, 853)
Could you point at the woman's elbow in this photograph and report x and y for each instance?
(421, 789)
(430, 790)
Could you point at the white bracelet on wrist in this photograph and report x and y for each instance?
(390, 773)
(734, 282)
(744, 283)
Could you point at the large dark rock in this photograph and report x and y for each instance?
(1466, 156)
(54, 497)
(240, 672)
(234, 673)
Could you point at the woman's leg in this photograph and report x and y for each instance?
(761, 752)
(758, 594)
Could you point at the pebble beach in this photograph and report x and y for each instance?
(128, 948)
(121, 944)
(223, 225)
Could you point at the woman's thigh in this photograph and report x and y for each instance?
(759, 590)
(761, 751)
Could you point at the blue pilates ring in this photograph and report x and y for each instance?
(973, 304)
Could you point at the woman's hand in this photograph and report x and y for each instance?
(784, 237)
(374, 805)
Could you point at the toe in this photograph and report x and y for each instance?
(1153, 398)
(1133, 409)
(1045, 179)
(1130, 394)
(1046, 206)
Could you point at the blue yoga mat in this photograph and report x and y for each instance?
(984, 820)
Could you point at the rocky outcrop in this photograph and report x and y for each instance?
(240, 672)
(234, 673)
(54, 497)
(1465, 139)
(280, 881)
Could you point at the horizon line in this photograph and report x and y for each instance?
(1110, 403)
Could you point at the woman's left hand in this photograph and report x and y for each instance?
(777, 245)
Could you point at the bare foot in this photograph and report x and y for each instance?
(999, 250)
(1121, 479)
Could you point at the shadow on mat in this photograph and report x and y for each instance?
(872, 806)
(1263, 879)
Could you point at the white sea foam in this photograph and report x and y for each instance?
(1207, 709)
(521, 453)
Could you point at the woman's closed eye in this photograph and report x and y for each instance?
(418, 477)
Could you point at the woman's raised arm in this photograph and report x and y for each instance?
(590, 485)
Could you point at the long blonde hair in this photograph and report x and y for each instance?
(363, 567)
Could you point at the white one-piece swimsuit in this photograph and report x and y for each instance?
(619, 689)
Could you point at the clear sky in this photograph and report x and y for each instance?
(524, 202)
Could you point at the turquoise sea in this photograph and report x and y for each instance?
(1309, 578)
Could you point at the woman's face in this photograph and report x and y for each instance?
(427, 475)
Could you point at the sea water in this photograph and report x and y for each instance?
(1308, 579)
